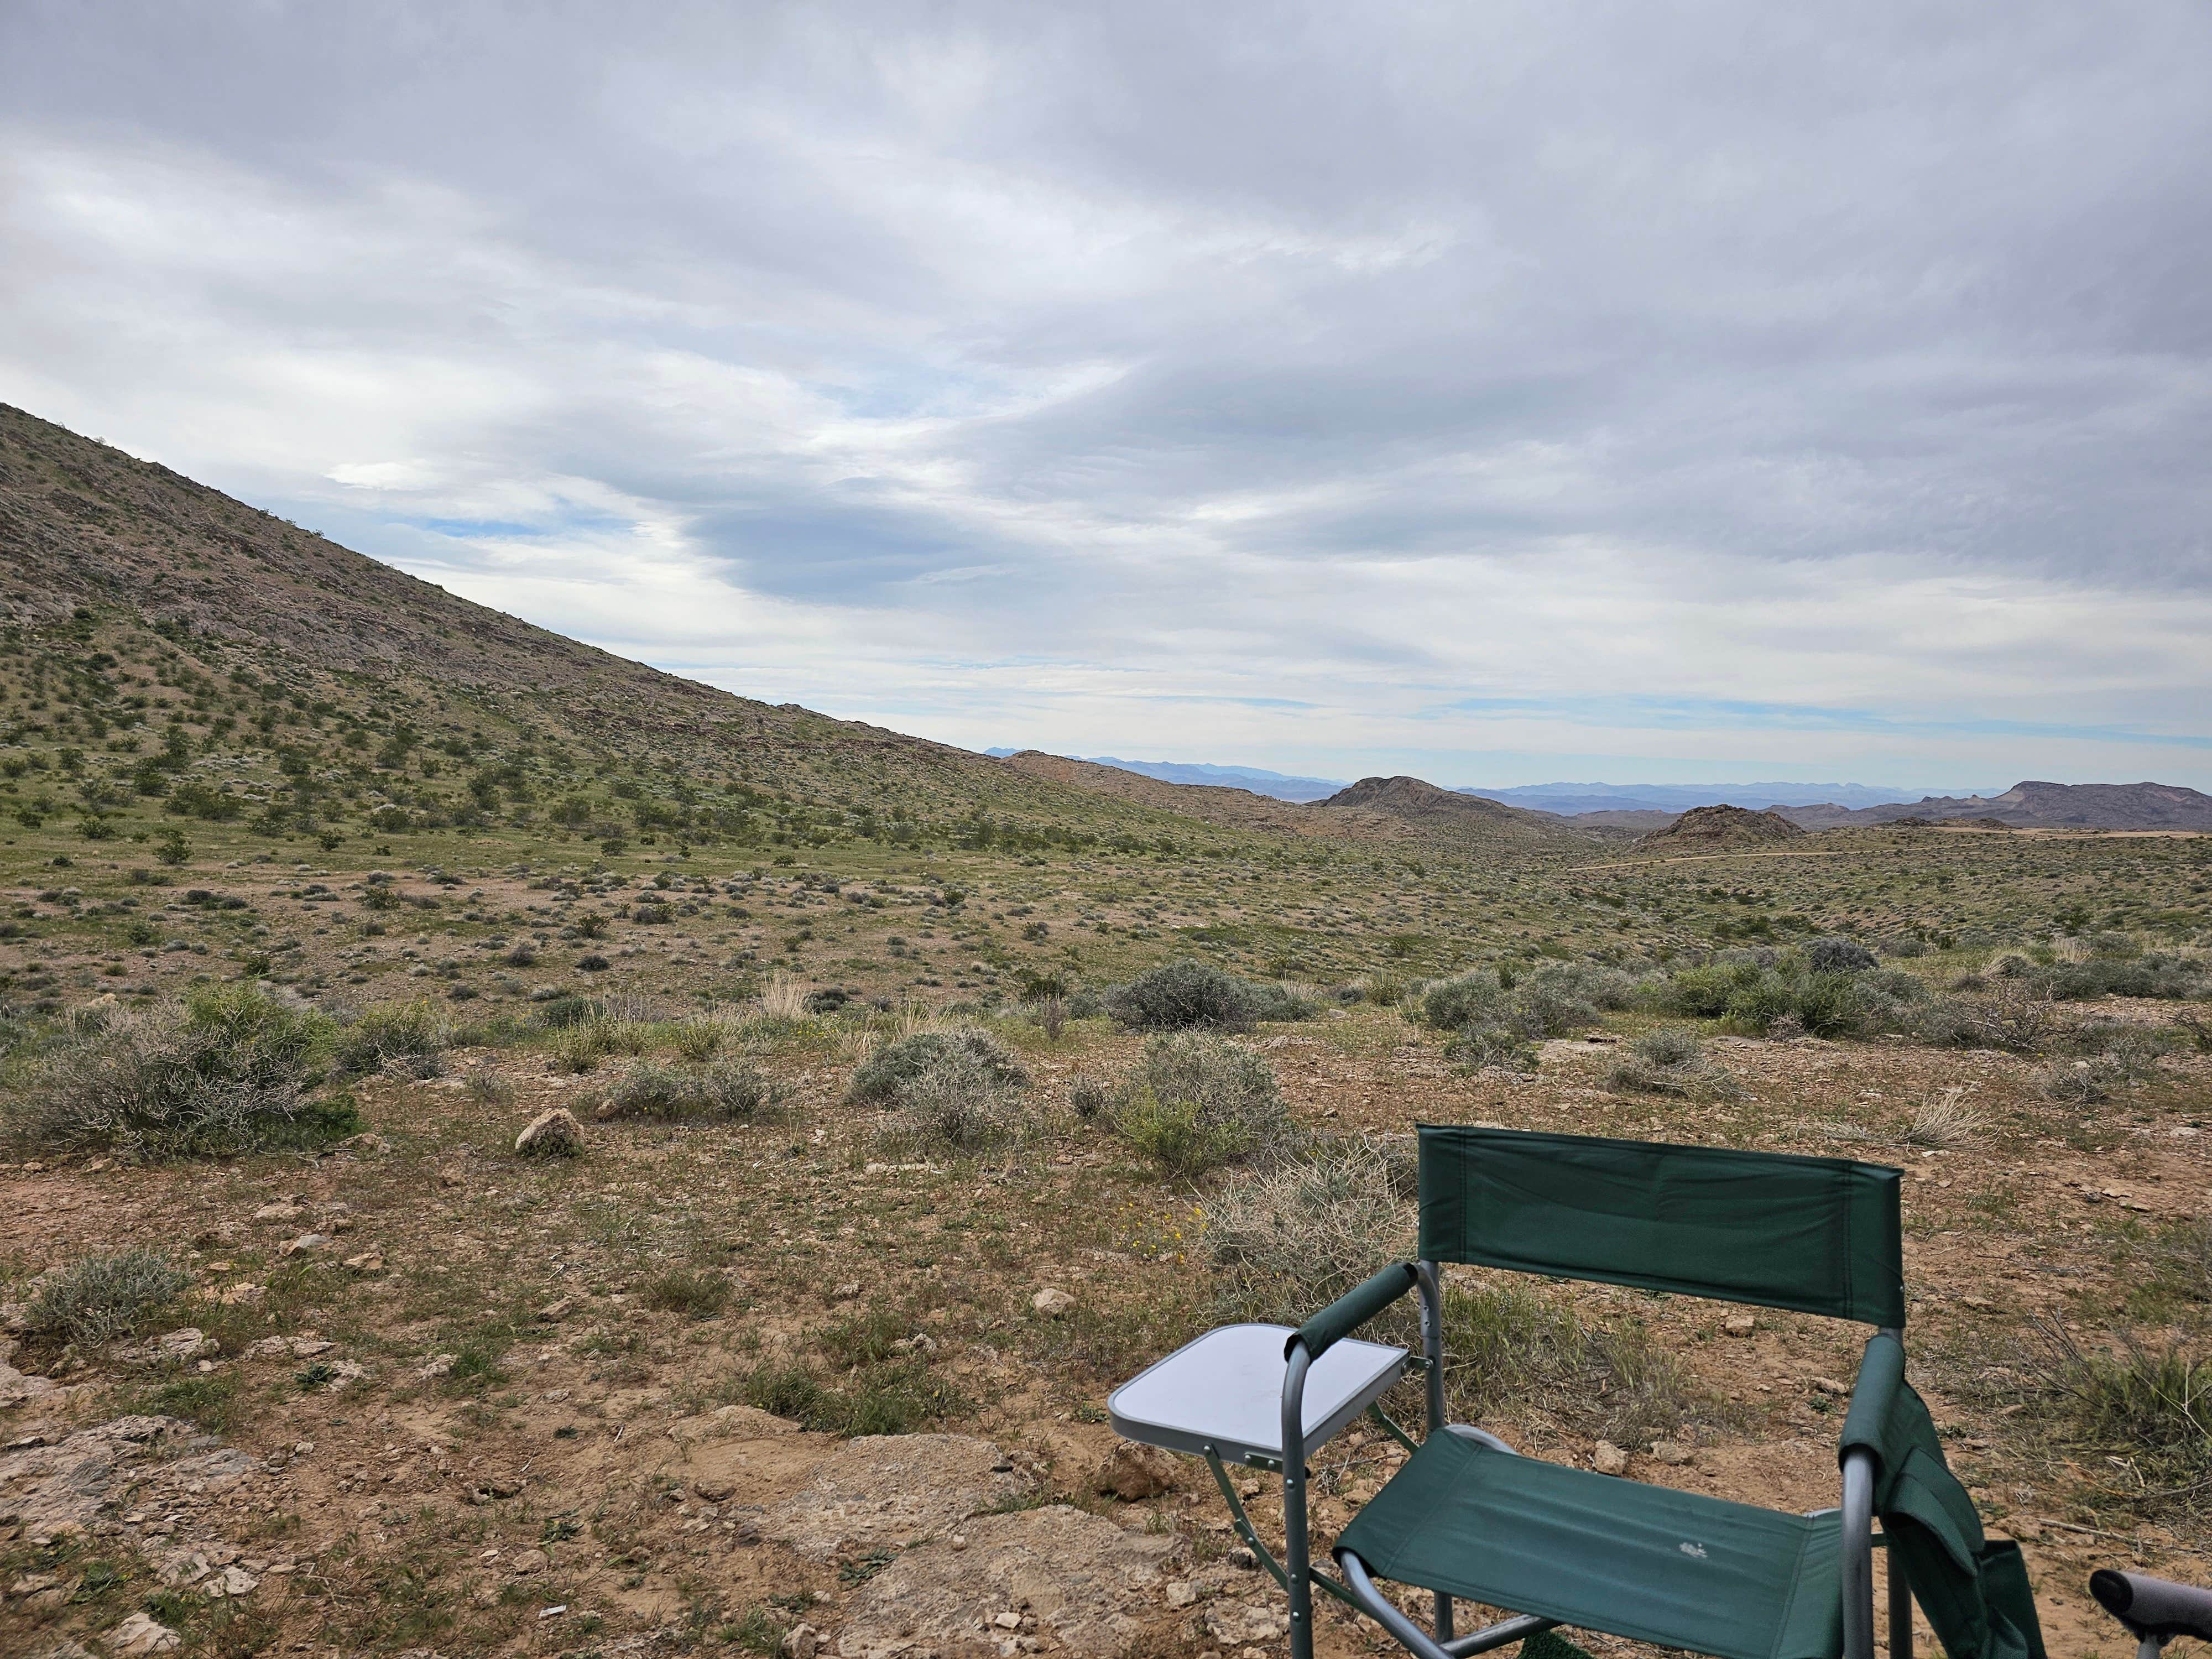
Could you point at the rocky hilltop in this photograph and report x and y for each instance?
(1717, 828)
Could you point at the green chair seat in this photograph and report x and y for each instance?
(1677, 1569)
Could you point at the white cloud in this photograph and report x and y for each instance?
(1488, 390)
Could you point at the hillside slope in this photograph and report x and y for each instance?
(85, 527)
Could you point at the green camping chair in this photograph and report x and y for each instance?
(1466, 1517)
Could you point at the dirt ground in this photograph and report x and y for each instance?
(452, 1404)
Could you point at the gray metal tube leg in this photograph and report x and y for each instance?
(1295, 1565)
(1430, 1279)
(1900, 1607)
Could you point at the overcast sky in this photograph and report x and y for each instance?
(1502, 393)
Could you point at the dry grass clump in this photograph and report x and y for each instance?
(580, 1047)
(407, 1039)
(1670, 1062)
(695, 1293)
(98, 1298)
(2145, 1413)
(227, 1074)
(1943, 1121)
(724, 1091)
(1513, 1351)
(961, 1102)
(1197, 1101)
(1300, 1235)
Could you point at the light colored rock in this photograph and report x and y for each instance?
(142, 1634)
(368, 1261)
(436, 1365)
(553, 1132)
(1740, 1324)
(303, 1242)
(68, 1487)
(231, 1581)
(283, 1209)
(288, 1347)
(801, 1641)
(558, 1310)
(1609, 1459)
(1087, 1583)
(18, 1390)
(189, 1342)
(1182, 1593)
(1236, 1623)
(1052, 1302)
(528, 1561)
(891, 1492)
(1131, 1472)
(1673, 1453)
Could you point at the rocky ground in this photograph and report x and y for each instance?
(428, 1395)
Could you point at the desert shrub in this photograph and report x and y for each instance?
(1186, 995)
(1196, 1101)
(1515, 1351)
(2114, 946)
(1837, 956)
(1703, 992)
(695, 1293)
(1089, 1096)
(885, 1074)
(724, 1091)
(1470, 998)
(410, 1038)
(1670, 1062)
(698, 1039)
(2012, 1015)
(2167, 977)
(1297, 1236)
(581, 1047)
(98, 1298)
(1491, 1049)
(561, 1012)
(227, 1074)
(2144, 1412)
(963, 1100)
(1755, 1007)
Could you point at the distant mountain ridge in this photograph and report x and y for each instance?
(2034, 805)
(1280, 786)
(1574, 799)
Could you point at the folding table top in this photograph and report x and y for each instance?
(1223, 1390)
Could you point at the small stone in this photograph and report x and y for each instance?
(716, 1490)
(529, 1561)
(553, 1312)
(1740, 1324)
(368, 1261)
(437, 1365)
(801, 1641)
(1132, 1471)
(552, 1134)
(189, 1342)
(1051, 1302)
(1978, 1303)
(1830, 1385)
(1673, 1453)
(1609, 1459)
(140, 1634)
(1007, 1620)
(958, 1541)
(846, 1291)
(303, 1242)
(450, 1179)
(283, 1209)
(1182, 1593)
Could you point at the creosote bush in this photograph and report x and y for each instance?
(1196, 1101)
(721, 1091)
(98, 1299)
(1190, 995)
(227, 1074)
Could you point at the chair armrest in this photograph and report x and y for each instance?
(1352, 1310)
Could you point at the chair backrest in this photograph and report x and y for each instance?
(1817, 1235)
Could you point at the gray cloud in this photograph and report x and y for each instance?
(1326, 388)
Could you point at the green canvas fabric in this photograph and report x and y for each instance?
(1816, 1235)
(1973, 1589)
(1678, 1568)
(1353, 1308)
